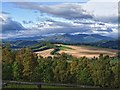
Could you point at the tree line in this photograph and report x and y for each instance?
(24, 65)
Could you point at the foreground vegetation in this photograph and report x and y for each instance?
(30, 86)
(24, 65)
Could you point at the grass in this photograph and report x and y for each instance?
(31, 86)
(34, 87)
(63, 47)
(20, 86)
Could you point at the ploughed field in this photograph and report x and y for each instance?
(79, 51)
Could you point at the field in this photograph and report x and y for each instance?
(79, 51)
(45, 53)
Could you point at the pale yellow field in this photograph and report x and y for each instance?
(44, 53)
(80, 51)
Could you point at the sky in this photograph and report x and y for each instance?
(29, 19)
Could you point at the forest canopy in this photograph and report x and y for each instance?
(24, 65)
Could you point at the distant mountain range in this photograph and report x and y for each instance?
(108, 44)
(66, 38)
(25, 43)
(78, 38)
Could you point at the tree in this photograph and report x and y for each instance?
(61, 73)
(7, 71)
(7, 55)
(17, 71)
(115, 80)
(73, 71)
(101, 71)
(28, 60)
(43, 72)
(83, 72)
(7, 60)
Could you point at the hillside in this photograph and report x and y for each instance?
(46, 49)
(78, 38)
(108, 44)
(79, 51)
(66, 38)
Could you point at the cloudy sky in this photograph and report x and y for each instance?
(28, 19)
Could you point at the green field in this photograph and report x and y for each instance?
(34, 86)
(63, 47)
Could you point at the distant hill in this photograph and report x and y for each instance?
(108, 44)
(66, 38)
(24, 38)
(79, 38)
(34, 45)
(20, 43)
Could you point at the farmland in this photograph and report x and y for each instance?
(79, 51)
(64, 64)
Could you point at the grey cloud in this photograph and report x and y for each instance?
(107, 30)
(66, 28)
(69, 28)
(63, 24)
(35, 11)
(54, 23)
(57, 27)
(86, 23)
(27, 22)
(3, 12)
(68, 11)
(50, 20)
(1, 19)
(10, 26)
(30, 22)
(101, 24)
(60, 30)
(108, 19)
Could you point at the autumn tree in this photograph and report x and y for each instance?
(43, 72)
(83, 72)
(28, 60)
(17, 71)
(101, 71)
(61, 73)
(115, 80)
(7, 55)
(7, 60)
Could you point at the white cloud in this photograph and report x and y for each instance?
(104, 1)
(51, 26)
(103, 10)
(71, 18)
(106, 11)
